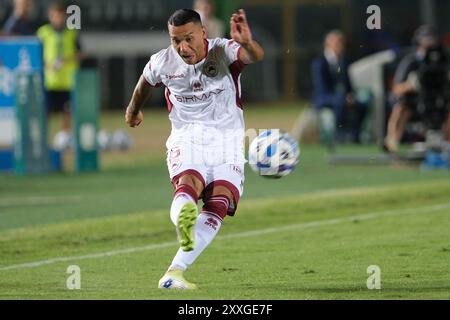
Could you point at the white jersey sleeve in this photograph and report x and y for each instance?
(231, 50)
(151, 70)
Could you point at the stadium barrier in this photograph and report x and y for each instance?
(31, 153)
(85, 111)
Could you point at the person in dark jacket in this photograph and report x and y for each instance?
(333, 90)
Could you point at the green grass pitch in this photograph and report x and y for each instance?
(310, 235)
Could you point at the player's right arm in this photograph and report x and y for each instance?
(141, 93)
(150, 78)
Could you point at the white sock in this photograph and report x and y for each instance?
(178, 202)
(206, 229)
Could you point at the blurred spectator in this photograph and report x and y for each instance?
(406, 87)
(62, 55)
(214, 26)
(332, 94)
(18, 23)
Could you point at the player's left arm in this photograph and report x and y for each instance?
(240, 32)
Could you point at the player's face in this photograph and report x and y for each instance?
(188, 41)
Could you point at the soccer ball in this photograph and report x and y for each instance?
(273, 154)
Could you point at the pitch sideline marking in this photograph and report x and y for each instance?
(35, 200)
(244, 234)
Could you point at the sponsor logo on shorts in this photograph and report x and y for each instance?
(175, 166)
(174, 161)
(175, 153)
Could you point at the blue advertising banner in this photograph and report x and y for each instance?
(17, 54)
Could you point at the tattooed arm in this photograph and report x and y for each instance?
(133, 114)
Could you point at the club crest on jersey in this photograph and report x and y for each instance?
(210, 68)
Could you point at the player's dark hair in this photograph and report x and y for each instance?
(184, 16)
